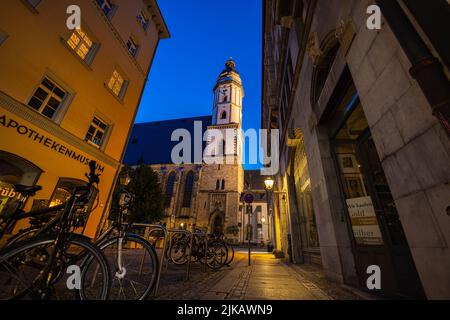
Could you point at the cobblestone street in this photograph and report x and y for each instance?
(267, 278)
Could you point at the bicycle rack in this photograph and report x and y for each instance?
(167, 236)
(155, 227)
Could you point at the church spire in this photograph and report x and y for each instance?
(228, 95)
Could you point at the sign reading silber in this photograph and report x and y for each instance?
(364, 221)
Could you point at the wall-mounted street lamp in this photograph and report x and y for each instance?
(269, 183)
(125, 179)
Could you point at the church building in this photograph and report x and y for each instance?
(201, 193)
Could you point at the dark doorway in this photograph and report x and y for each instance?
(217, 224)
(373, 221)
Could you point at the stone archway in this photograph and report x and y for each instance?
(217, 222)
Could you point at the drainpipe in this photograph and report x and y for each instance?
(426, 69)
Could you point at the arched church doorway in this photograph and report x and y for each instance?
(217, 223)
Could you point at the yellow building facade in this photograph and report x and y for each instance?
(71, 96)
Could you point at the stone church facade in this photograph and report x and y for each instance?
(199, 194)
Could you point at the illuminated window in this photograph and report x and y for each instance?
(80, 42)
(143, 19)
(106, 6)
(117, 84)
(96, 133)
(132, 46)
(64, 190)
(48, 98)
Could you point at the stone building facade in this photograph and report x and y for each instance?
(201, 193)
(364, 136)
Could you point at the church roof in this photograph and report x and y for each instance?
(151, 143)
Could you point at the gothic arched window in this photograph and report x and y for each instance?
(170, 184)
(217, 184)
(223, 184)
(223, 116)
(188, 188)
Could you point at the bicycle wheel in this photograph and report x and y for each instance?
(21, 265)
(178, 252)
(230, 257)
(217, 255)
(134, 277)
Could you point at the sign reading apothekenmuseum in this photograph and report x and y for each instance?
(364, 221)
(45, 141)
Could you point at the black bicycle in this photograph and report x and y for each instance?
(203, 245)
(132, 259)
(54, 262)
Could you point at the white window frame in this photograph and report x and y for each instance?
(57, 115)
(98, 128)
(134, 44)
(107, 3)
(143, 17)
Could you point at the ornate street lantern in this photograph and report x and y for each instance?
(268, 183)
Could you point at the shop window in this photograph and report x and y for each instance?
(64, 189)
(97, 132)
(14, 170)
(48, 98)
(364, 183)
(302, 184)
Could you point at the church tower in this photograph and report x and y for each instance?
(222, 182)
(228, 96)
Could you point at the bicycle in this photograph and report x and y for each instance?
(216, 253)
(220, 239)
(54, 262)
(127, 255)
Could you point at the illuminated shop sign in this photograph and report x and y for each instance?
(45, 141)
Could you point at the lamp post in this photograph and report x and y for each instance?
(268, 184)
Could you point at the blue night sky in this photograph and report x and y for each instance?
(204, 34)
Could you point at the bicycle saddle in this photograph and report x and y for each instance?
(28, 191)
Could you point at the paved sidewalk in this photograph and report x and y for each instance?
(266, 279)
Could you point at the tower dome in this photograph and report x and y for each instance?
(229, 74)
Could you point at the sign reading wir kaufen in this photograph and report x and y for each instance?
(45, 141)
(364, 221)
